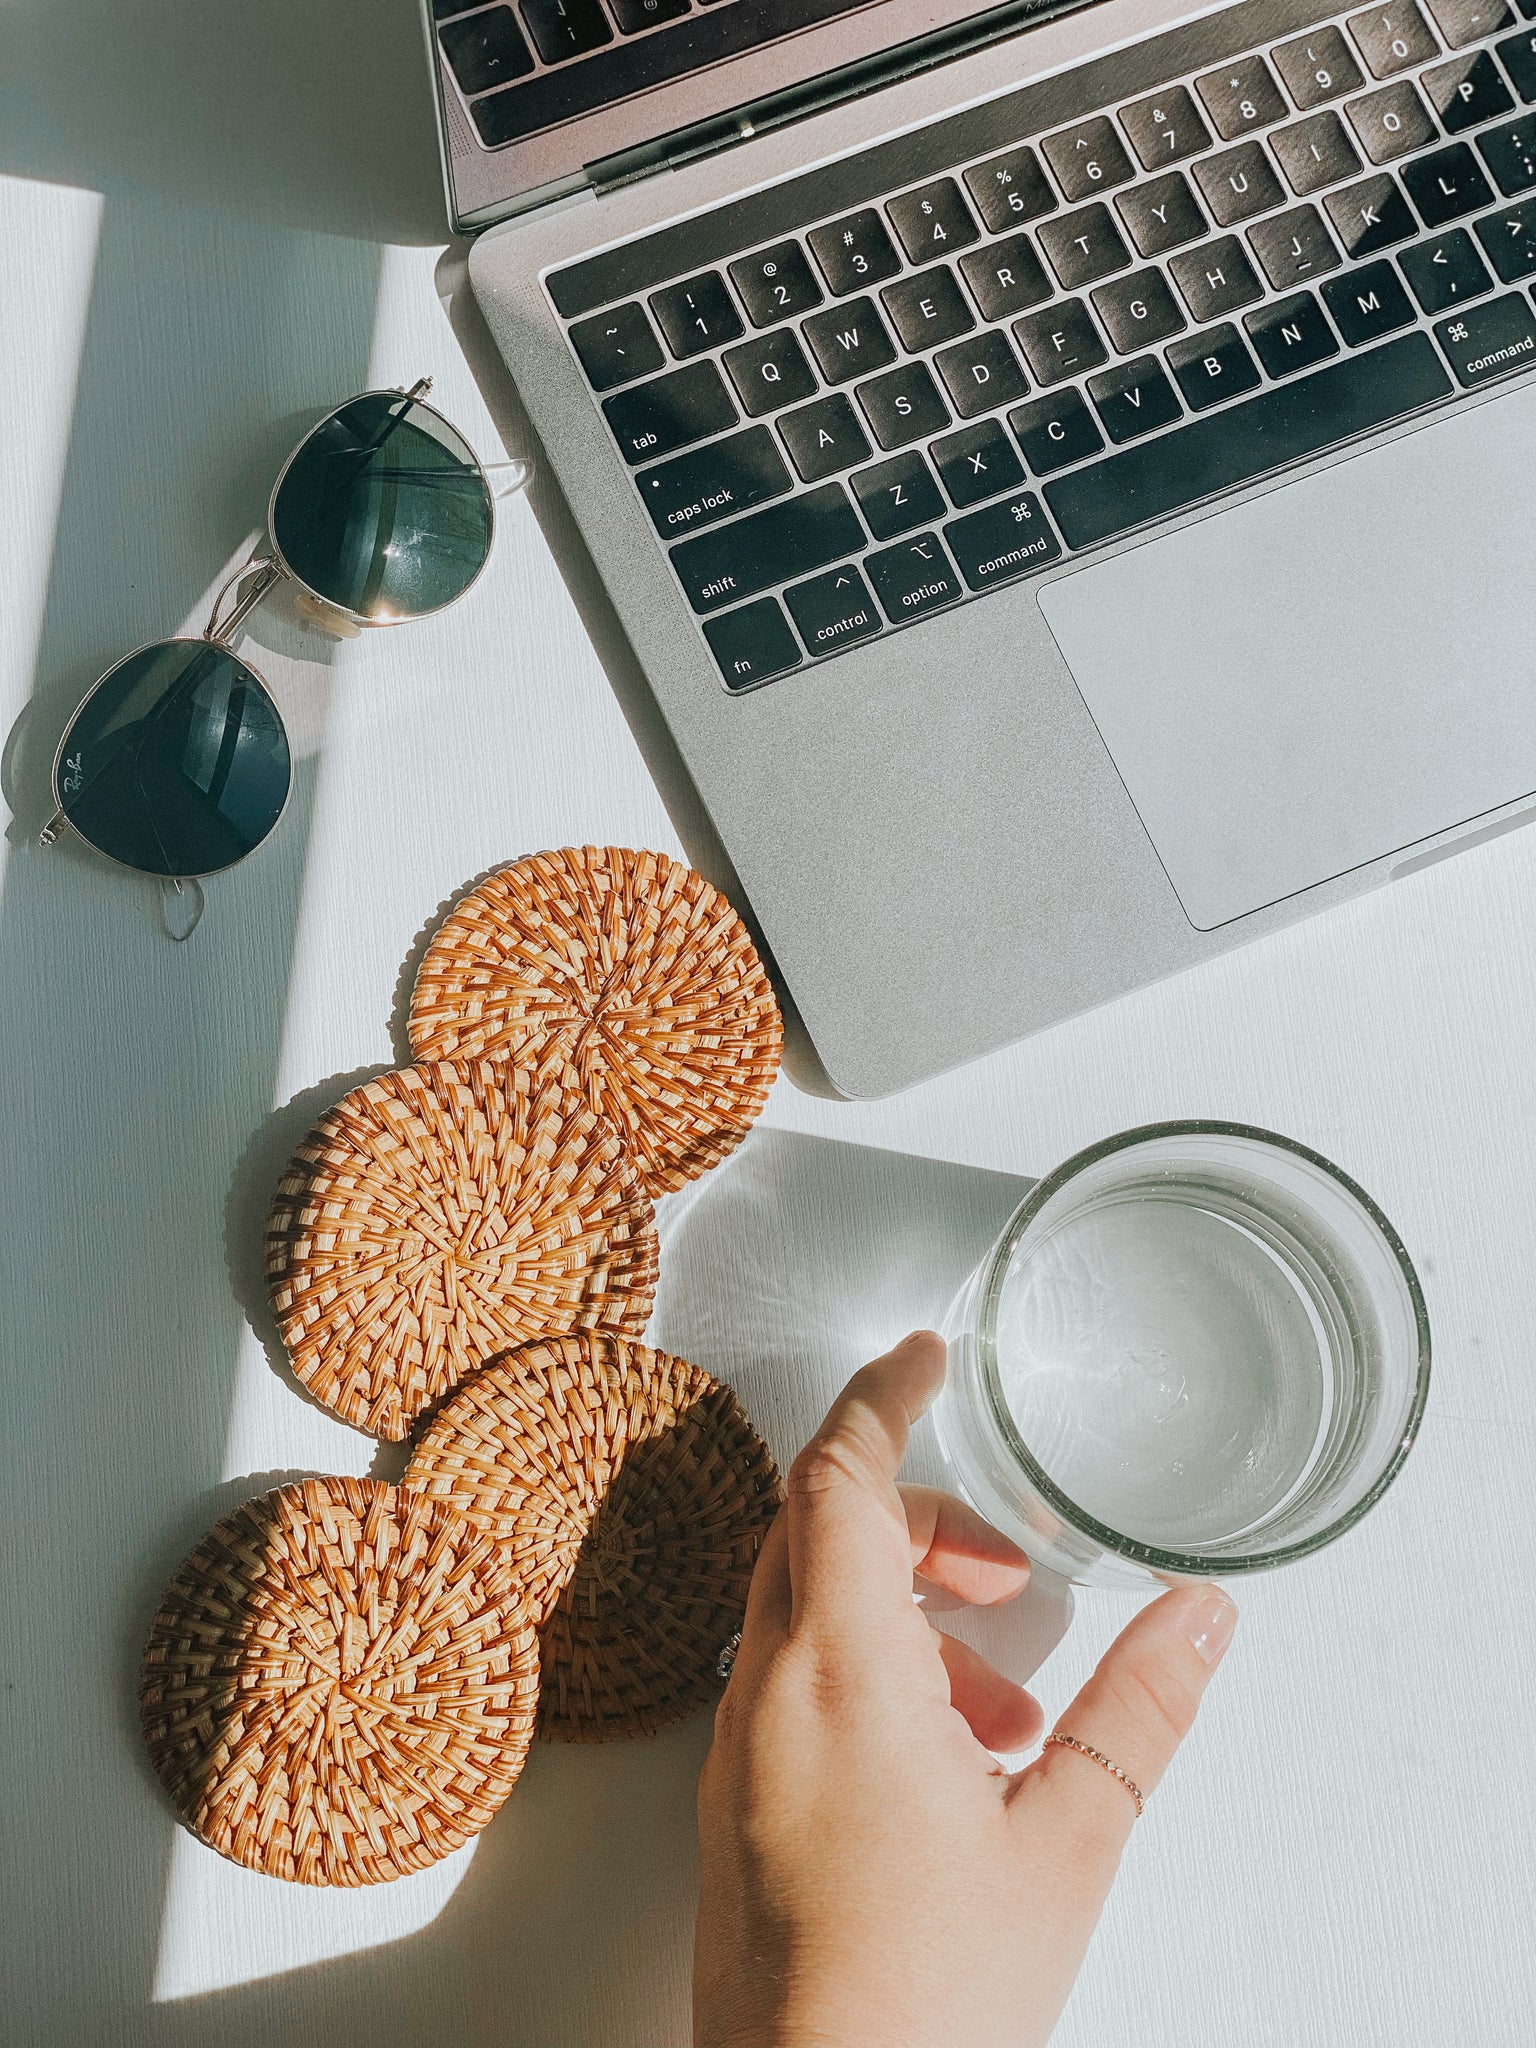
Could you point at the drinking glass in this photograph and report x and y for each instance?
(1197, 1349)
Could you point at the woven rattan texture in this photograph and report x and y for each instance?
(629, 973)
(341, 1683)
(631, 1494)
(436, 1217)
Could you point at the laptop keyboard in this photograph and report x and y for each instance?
(851, 419)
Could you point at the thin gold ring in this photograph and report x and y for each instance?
(1114, 1770)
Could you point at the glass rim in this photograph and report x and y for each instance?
(1188, 1564)
(345, 611)
(171, 640)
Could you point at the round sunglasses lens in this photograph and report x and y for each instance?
(177, 763)
(383, 511)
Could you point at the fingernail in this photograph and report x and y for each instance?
(1211, 1624)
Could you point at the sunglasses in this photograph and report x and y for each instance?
(177, 763)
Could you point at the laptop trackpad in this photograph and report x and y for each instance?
(1323, 675)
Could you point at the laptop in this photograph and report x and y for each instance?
(1064, 475)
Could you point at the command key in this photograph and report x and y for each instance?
(1490, 341)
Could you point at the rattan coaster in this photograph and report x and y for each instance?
(341, 1683)
(629, 972)
(630, 1493)
(436, 1217)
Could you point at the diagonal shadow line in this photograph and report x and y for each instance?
(135, 1071)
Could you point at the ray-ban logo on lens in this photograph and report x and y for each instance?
(73, 779)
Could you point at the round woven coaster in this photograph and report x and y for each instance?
(630, 973)
(341, 1683)
(438, 1215)
(630, 1493)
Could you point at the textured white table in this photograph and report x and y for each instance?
(1343, 1853)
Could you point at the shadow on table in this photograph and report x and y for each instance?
(310, 113)
(134, 1070)
(784, 1269)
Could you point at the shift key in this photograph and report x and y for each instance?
(755, 553)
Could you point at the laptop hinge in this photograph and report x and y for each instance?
(815, 95)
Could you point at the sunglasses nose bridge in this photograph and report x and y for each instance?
(264, 574)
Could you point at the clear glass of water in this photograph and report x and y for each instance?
(1196, 1349)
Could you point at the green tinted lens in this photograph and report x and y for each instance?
(177, 763)
(383, 511)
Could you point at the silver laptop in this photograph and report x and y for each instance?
(1065, 477)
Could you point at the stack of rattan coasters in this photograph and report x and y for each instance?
(344, 1677)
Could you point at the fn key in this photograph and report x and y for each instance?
(752, 644)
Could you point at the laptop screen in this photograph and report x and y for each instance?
(541, 96)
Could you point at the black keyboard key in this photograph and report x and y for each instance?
(1445, 271)
(1370, 216)
(1314, 153)
(1161, 215)
(977, 463)
(824, 438)
(1510, 239)
(1238, 183)
(1490, 341)
(1212, 366)
(1134, 398)
(904, 405)
(897, 495)
(1059, 341)
(487, 50)
(1518, 56)
(617, 346)
(775, 284)
(1216, 278)
(1467, 91)
(849, 341)
(913, 578)
(1088, 159)
(1391, 122)
(1137, 310)
(1010, 190)
(833, 610)
(769, 371)
(1006, 277)
(1446, 185)
(854, 252)
(793, 538)
(1368, 303)
(441, 9)
(928, 308)
(752, 644)
(1294, 247)
(1003, 542)
(1241, 98)
(1316, 68)
(1468, 21)
(1165, 128)
(696, 314)
(634, 15)
(933, 221)
(1510, 153)
(981, 374)
(1055, 430)
(713, 482)
(1083, 246)
(1392, 38)
(1291, 335)
(1281, 424)
(653, 419)
(566, 28)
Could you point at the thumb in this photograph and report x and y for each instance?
(1135, 1710)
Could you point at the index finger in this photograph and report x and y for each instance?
(849, 1550)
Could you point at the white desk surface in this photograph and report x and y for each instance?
(210, 230)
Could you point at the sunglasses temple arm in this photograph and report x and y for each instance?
(264, 575)
(507, 478)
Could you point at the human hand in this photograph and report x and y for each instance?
(872, 1877)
